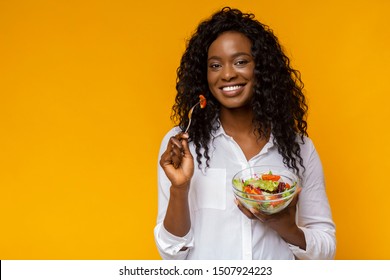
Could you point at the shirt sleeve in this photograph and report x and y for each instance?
(314, 215)
(168, 245)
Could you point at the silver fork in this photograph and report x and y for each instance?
(190, 116)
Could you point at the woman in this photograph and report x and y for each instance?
(255, 115)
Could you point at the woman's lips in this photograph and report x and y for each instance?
(232, 90)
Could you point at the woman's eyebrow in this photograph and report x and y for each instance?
(233, 56)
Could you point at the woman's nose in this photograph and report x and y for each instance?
(228, 73)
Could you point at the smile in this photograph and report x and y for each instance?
(231, 88)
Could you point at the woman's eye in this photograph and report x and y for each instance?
(215, 65)
(241, 62)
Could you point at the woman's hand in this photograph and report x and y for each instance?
(177, 161)
(282, 222)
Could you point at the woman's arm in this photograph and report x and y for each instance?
(178, 165)
(173, 230)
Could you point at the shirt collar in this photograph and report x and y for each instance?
(219, 131)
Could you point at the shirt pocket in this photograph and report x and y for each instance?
(209, 189)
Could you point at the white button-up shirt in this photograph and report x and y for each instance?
(219, 230)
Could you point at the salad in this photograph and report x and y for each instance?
(265, 192)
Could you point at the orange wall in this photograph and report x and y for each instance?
(86, 89)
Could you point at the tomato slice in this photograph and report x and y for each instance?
(270, 177)
(254, 191)
(202, 101)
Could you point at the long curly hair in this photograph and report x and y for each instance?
(278, 103)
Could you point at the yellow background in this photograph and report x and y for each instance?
(86, 89)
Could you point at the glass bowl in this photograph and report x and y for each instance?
(268, 189)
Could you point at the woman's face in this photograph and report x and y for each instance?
(230, 70)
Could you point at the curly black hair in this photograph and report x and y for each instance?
(278, 103)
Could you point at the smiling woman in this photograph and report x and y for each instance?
(255, 115)
(83, 82)
(230, 72)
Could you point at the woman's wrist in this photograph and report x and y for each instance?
(181, 186)
(179, 191)
(296, 237)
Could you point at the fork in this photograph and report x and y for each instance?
(202, 102)
(190, 116)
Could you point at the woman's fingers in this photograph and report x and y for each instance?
(294, 201)
(173, 154)
(243, 209)
(177, 155)
(185, 151)
(260, 216)
(177, 160)
(252, 213)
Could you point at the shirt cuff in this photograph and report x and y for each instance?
(318, 246)
(170, 245)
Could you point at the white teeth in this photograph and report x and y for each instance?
(230, 88)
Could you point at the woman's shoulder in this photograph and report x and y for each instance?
(164, 142)
(172, 132)
(307, 147)
(305, 141)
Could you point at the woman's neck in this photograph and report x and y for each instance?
(239, 121)
(239, 125)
